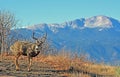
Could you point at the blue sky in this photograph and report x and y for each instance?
(31, 12)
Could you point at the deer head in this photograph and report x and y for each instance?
(40, 41)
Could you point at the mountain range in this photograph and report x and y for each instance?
(98, 37)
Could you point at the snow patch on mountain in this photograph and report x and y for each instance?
(98, 21)
(38, 26)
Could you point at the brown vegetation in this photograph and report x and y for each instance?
(64, 65)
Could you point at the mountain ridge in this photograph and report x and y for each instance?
(92, 22)
(100, 42)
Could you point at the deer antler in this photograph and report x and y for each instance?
(34, 37)
(44, 37)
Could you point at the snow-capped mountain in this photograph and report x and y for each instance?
(98, 21)
(98, 36)
(93, 22)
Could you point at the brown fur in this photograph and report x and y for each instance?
(24, 48)
(27, 49)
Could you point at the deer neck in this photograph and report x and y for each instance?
(33, 54)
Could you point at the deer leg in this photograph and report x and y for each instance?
(16, 62)
(30, 63)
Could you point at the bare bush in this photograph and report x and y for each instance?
(7, 22)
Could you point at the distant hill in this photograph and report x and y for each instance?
(98, 36)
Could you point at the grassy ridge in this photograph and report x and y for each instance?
(71, 66)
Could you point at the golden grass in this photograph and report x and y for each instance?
(65, 62)
(60, 62)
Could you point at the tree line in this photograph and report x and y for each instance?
(7, 22)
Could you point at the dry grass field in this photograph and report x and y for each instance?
(55, 66)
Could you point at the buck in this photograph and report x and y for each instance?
(27, 49)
